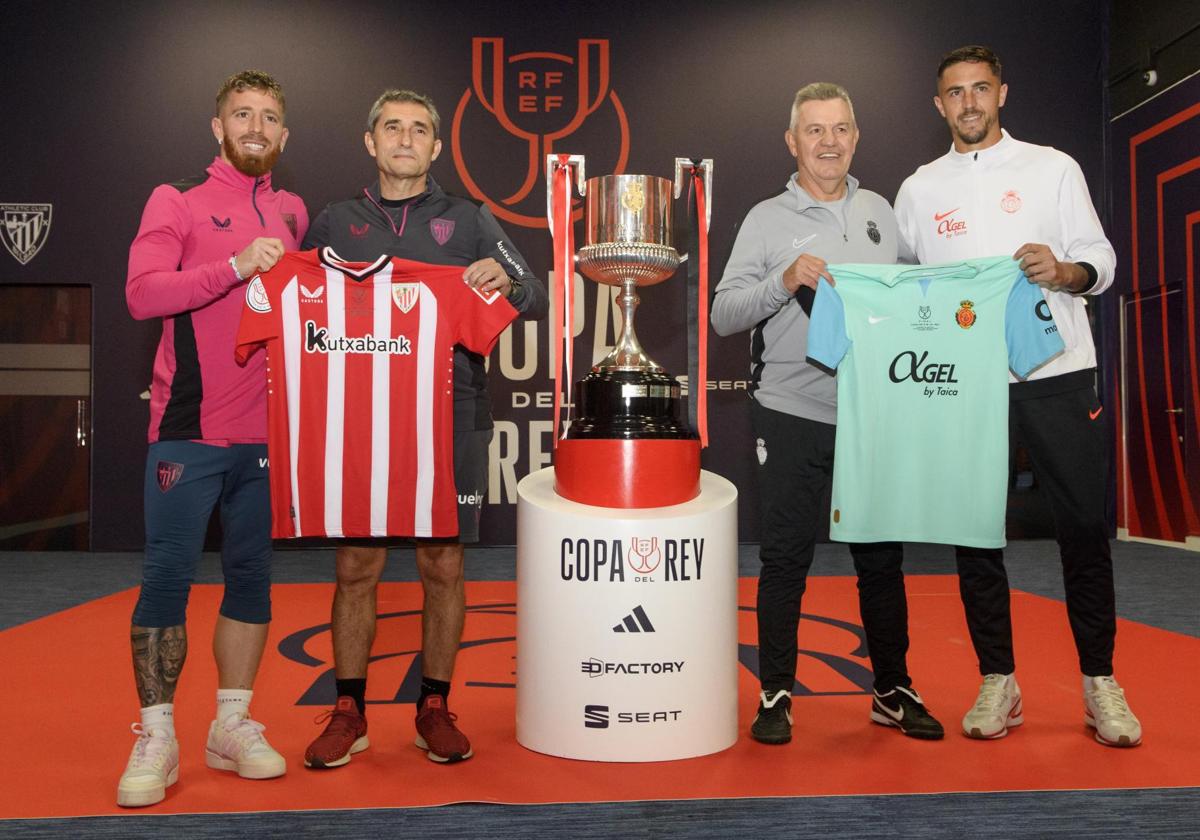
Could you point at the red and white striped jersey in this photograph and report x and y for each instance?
(360, 393)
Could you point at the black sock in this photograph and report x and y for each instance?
(356, 688)
(432, 686)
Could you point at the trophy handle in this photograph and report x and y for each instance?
(552, 164)
(706, 167)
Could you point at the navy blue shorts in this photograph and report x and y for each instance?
(184, 482)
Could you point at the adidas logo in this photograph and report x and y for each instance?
(636, 622)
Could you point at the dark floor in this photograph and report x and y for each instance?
(1155, 585)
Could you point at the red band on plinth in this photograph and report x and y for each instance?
(645, 473)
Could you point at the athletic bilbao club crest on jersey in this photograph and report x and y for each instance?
(256, 296)
(442, 230)
(289, 219)
(965, 317)
(535, 101)
(405, 295)
(25, 230)
(1011, 202)
(168, 473)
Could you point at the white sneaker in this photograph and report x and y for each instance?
(153, 767)
(237, 744)
(997, 708)
(1105, 710)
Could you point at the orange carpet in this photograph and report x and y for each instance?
(70, 672)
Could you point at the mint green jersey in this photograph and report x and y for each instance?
(922, 355)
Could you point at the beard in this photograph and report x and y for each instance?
(978, 132)
(252, 165)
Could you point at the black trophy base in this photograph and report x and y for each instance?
(628, 405)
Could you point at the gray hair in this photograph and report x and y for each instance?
(396, 95)
(820, 92)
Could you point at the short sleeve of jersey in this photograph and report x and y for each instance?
(1029, 328)
(260, 321)
(828, 342)
(485, 316)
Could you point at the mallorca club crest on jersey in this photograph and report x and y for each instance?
(965, 317)
(1011, 202)
(442, 230)
(528, 105)
(25, 229)
(873, 233)
(405, 295)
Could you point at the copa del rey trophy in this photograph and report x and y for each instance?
(632, 441)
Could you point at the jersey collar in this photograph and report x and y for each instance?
(804, 201)
(224, 171)
(357, 271)
(989, 155)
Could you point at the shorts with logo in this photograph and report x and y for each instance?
(184, 481)
(471, 449)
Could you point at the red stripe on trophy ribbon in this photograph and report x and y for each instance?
(702, 383)
(563, 240)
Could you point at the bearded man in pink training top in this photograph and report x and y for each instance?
(200, 239)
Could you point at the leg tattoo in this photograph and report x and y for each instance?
(158, 654)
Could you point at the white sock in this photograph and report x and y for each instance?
(159, 720)
(233, 701)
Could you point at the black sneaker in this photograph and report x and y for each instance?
(902, 708)
(773, 723)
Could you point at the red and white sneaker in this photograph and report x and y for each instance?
(237, 743)
(437, 734)
(344, 735)
(996, 709)
(153, 767)
(1105, 710)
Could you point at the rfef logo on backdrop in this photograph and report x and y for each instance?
(25, 229)
(539, 99)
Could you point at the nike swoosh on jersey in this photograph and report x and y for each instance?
(937, 217)
(875, 319)
(800, 243)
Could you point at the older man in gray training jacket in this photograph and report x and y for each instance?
(781, 252)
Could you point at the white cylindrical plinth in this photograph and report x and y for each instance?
(626, 625)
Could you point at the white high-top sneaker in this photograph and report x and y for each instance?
(153, 767)
(997, 708)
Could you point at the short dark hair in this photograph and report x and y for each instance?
(394, 95)
(974, 54)
(251, 80)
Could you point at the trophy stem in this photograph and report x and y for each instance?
(628, 353)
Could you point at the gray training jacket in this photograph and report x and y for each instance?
(751, 296)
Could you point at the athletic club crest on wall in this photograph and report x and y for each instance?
(442, 230)
(25, 229)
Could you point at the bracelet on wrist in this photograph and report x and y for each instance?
(233, 265)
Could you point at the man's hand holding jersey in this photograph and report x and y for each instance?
(806, 270)
(259, 256)
(1043, 268)
(488, 276)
